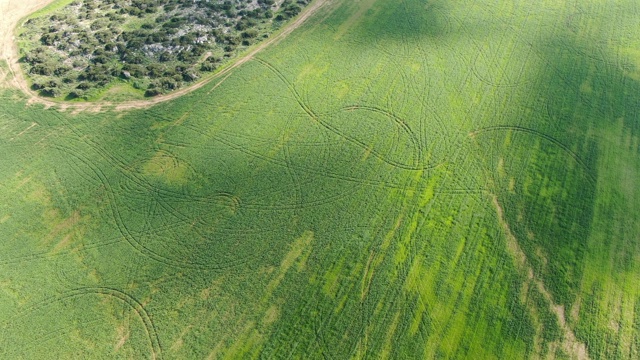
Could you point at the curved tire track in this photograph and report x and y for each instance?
(543, 136)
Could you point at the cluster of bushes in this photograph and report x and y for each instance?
(157, 45)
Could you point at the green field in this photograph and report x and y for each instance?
(396, 179)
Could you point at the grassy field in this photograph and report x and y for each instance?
(395, 179)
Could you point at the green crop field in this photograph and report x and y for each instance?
(395, 179)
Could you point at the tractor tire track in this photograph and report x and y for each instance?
(318, 120)
(147, 320)
(543, 136)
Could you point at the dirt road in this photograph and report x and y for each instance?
(14, 10)
(11, 11)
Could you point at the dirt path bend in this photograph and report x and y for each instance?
(14, 10)
(11, 11)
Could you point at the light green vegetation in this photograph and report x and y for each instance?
(395, 179)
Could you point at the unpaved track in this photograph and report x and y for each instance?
(571, 345)
(11, 11)
(14, 10)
